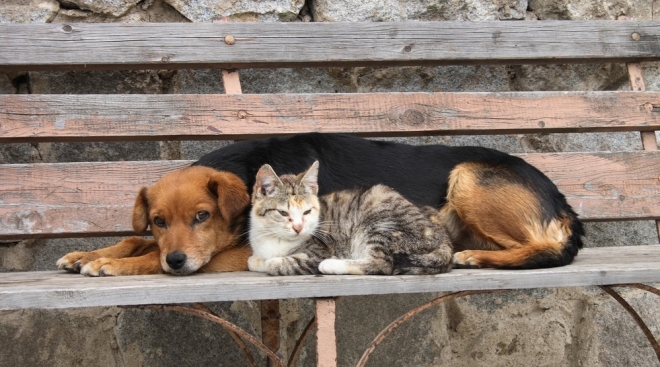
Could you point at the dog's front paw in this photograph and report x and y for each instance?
(333, 266)
(101, 267)
(466, 259)
(74, 261)
(257, 264)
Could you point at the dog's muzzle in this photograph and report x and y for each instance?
(176, 260)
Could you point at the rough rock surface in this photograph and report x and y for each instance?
(591, 9)
(244, 10)
(144, 11)
(115, 8)
(28, 11)
(397, 10)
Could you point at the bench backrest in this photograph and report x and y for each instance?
(95, 199)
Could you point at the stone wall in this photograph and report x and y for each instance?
(540, 327)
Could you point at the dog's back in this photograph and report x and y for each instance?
(420, 173)
(496, 201)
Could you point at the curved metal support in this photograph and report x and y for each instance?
(293, 358)
(379, 338)
(634, 314)
(226, 324)
(643, 287)
(237, 339)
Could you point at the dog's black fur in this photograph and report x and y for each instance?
(420, 173)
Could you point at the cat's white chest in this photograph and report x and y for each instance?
(268, 248)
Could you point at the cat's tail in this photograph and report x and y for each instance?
(436, 262)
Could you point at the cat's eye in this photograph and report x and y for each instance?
(283, 213)
(160, 222)
(201, 216)
(307, 211)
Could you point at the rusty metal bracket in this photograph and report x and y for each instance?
(224, 323)
(293, 358)
(239, 334)
(396, 323)
(638, 319)
(234, 335)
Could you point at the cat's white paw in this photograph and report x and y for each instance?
(333, 266)
(257, 264)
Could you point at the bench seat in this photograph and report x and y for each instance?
(56, 289)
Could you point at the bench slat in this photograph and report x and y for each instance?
(593, 266)
(38, 118)
(89, 199)
(82, 46)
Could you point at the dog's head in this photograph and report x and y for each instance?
(194, 213)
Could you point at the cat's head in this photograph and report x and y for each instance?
(287, 207)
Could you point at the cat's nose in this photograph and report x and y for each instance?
(297, 227)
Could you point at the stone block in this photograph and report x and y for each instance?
(54, 338)
(591, 9)
(115, 8)
(239, 10)
(28, 11)
(398, 10)
(144, 11)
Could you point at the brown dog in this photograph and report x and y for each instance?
(196, 215)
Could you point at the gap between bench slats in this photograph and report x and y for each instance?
(90, 199)
(593, 266)
(38, 118)
(79, 46)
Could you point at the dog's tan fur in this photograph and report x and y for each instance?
(497, 226)
(213, 245)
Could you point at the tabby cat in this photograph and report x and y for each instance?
(372, 231)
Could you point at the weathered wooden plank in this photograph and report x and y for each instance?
(82, 199)
(179, 45)
(604, 186)
(37, 118)
(89, 199)
(52, 289)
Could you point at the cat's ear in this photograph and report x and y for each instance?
(310, 179)
(267, 182)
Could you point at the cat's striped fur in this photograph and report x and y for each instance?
(370, 231)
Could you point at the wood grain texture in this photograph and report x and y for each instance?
(80, 46)
(82, 199)
(37, 118)
(53, 289)
(90, 199)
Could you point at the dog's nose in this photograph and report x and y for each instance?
(176, 259)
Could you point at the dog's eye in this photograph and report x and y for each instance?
(160, 222)
(283, 213)
(307, 211)
(201, 216)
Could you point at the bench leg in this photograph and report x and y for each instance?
(326, 341)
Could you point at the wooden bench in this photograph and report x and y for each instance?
(66, 200)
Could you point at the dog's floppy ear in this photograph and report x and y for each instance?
(141, 211)
(232, 194)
